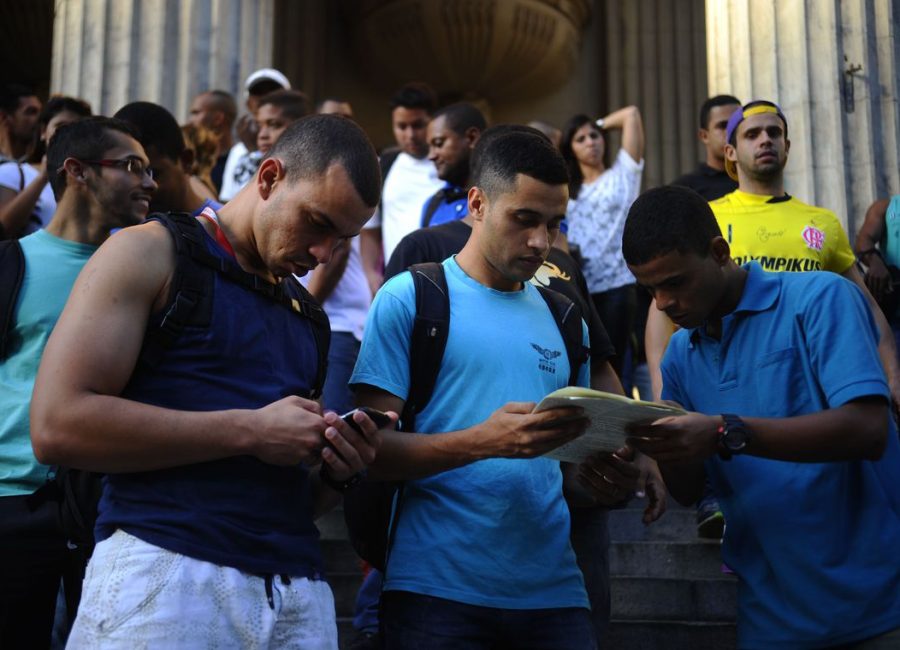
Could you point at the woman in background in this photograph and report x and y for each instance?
(599, 199)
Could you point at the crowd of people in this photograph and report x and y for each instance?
(189, 311)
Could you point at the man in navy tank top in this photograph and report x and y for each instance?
(205, 528)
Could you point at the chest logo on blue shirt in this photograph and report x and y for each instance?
(546, 360)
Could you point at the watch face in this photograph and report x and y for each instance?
(735, 439)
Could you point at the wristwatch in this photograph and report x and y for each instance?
(599, 123)
(733, 436)
(338, 486)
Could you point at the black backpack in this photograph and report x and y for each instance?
(369, 510)
(78, 491)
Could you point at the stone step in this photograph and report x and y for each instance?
(677, 524)
(664, 599)
(671, 635)
(663, 559)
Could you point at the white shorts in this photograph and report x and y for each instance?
(138, 596)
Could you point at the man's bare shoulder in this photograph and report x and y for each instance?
(141, 257)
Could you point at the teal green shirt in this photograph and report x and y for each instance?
(51, 266)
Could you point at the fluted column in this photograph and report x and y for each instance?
(111, 52)
(833, 68)
(654, 57)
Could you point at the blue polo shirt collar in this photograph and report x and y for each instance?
(760, 293)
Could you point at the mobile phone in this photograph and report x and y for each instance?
(380, 419)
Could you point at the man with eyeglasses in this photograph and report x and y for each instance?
(101, 184)
(160, 135)
(205, 527)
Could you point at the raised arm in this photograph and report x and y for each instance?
(628, 119)
(77, 415)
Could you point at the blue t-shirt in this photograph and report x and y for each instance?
(815, 545)
(494, 533)
(51, 266)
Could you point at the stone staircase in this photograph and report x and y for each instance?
(668, 590)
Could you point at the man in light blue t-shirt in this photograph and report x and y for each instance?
(789, 420)
(481, 557)
(102, 183)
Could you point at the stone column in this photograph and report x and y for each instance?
(111, 52)
(833, 68)
(654, 57)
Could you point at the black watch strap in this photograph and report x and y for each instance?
(733, 436)
(338, 486)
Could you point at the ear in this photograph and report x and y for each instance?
(271, 171)
(703, 134)
(477, 203)
(186, 160)
(730, 152)
(74, 169)
(720, 250)
(787, 146)
(471, 135)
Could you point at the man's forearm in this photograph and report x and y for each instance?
(110, 434)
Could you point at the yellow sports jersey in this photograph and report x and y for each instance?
(782, 234)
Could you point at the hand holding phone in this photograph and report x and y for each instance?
(380, 418)
(343, 483)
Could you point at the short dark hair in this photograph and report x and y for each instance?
(309, 146)
(666, 219)
(576, 178)
(415, 94)
(502, 153)
(61, 103)
(718, 100)
(224, 101)
(11, 94)
(157, 128)
(462, 116)
(87, 139)
(293, 104)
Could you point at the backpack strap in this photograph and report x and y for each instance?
(192, 288)
(429, 338)
(12, 272)
(568, 317)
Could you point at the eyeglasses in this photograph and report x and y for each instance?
(134, 165)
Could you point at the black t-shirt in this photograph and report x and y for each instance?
(560, 272)
(709, 183)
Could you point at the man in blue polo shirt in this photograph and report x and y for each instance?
(452, 134)
(806, 470)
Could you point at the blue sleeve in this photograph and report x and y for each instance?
(383, 359)
(841, 340)
(672, 388)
